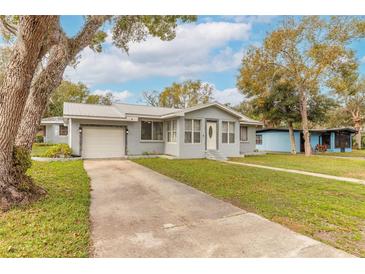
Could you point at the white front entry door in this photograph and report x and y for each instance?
(211, 135)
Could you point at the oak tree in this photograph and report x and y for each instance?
(307, 50)
(41, 42)
(181, 95)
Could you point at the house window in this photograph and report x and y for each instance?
(151, 131)
(171, 131)
(259, 139)
(228, 132)
(243, 134)
(192, 131)
(62, 130)
(342, 140)
(326, 139)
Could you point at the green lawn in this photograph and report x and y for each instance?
(353, 153)
(55, 226)
(352, 168)
(38, 150)
(327, 210)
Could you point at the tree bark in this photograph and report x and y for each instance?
(50, 78)
(293, 149)
(46, 81)
(357, 126)
(26, 53)
(304, 115)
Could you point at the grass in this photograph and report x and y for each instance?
(353, 153)
(352, 168)
(39, 150)
(327, 210)
(58, 224)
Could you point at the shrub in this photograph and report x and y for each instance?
(39, 138)
(150, 153)
(58, 151)
(321, 148)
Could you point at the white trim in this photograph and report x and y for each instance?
(193, 131)
(70, 132)
(51, 122)
(243, 141)
(228, 132)
(59, 135)
(152, 140)
(129, 119)
(171, 122)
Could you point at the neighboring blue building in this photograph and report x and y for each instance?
(277, 139)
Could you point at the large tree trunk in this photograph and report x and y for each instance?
(50, 78)
(293, 148)
(27, 51)
(46, 81)
(357, 126)
(304, 115)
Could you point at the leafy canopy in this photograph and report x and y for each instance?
(74, 93)
(181, 95)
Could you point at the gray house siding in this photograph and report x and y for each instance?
(250, 144)
(52, 135)
(135, 146)
(204, 115)
(180, 149)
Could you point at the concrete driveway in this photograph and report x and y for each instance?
(136, 212)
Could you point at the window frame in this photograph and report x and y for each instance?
(192, 131)
(171, 130)
(244, 141)
(259, 135)
(152, 131)
(228, 132)
(63, 128)
(338, 141)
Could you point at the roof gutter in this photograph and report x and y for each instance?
(127, 119)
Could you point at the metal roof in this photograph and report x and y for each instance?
(91, 110)
(144, 110)
(52, 120)
(121, 111)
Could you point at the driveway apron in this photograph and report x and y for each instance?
(136, 212)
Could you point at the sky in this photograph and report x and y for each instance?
(209, 50)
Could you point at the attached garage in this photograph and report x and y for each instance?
(103, 142)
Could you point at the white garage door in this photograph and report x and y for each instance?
(103, 142)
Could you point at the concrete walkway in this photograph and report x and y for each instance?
(136, 212)
(345, 179)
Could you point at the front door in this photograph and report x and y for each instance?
(211, 135)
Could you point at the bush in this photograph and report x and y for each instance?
(39, 138)
(321, 148)
(43, 144)
(58, 151)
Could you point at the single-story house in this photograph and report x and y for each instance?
(277, 139)
(54, 130)
(118, 130)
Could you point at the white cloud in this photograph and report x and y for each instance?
(253, 18)
(197, 48)
(362, 60)
(229, 95)
(118, 96)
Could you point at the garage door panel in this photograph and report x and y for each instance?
(103, 142)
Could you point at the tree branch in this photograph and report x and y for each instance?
(85, 36)
(7, 26)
